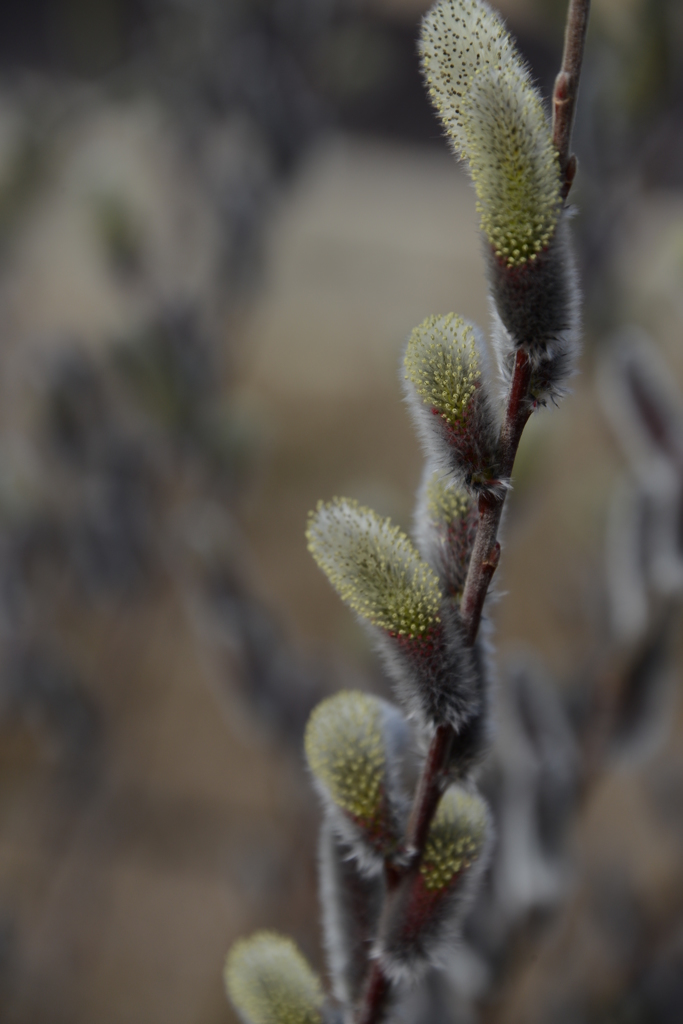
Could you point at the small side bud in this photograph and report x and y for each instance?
(446, 523)
(269, 982)
(374, 567)
(424, 913)
(448, 397)
(351, 904)
(348, 753)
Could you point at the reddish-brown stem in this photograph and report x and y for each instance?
(567, 89)
(375, 997)
(430, 788)
(486, 551)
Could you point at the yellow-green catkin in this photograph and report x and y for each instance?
(513, 164)
(447, 503)
(442, 364)
(495, 120)
(457, 39)
(345, 751)
(456, 838)
(374, 568)
(270, 982)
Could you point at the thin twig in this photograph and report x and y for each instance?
(566, 89)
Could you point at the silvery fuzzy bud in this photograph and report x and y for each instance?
(423, 914)
(446, 521)
(530, 265)
(375, 568)
(353, 742)
(270, 982)
(447, 391)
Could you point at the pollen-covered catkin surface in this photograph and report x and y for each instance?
(345, 751)
(442, 364)
(457, 38)
(456, 838)
(270, 982)
(513, 164)
(495, 120)
(374, 568)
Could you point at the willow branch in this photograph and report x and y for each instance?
(486, 553)
(566, 89)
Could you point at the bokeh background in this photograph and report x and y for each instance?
(219, 221)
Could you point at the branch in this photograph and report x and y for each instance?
(567, 89)
(435, 774)
(486, 553)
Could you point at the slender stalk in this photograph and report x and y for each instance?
(566, 89)
(486, 553)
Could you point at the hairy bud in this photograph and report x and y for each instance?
(377, 571)
(447, 393)
(495, 120)
(350, 746)
(270, 982)
(374, 568)
(514, 167)
(457, 39)
(446, 527)
(425, 911)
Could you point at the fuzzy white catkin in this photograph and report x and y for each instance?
(446, 520)
(374, 567)
(447, 388)
(353, 743)
(424, 916)
(457, 39)
(270, 982)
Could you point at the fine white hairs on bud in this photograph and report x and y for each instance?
(447, 392)
(351, 904)
(351, 746)
(513, 164)
(446, 521)
(457, 39)
(423, 916)
(495, 120)
(376, 569)
(270, 982)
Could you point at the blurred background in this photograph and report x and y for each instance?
(219, 220)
